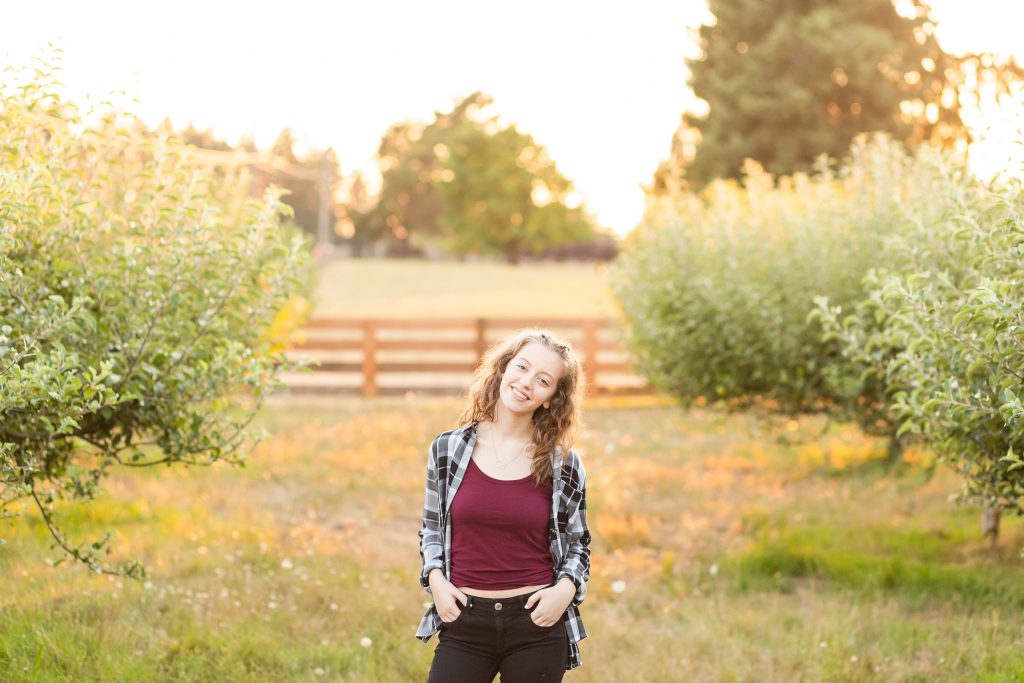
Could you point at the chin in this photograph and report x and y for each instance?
(514, 408)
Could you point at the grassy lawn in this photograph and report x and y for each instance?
(726, 548)
(395, 288)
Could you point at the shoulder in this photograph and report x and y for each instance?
(573, 470)
(445, 442)
(456, 435)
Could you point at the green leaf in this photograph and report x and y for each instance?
(975, 367)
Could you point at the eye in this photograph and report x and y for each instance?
(544, 382)
(520, 366)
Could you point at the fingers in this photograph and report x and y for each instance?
(540, 622)
(450, 615)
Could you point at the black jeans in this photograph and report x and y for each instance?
(497, 635)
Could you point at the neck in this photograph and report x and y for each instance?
(512, 425)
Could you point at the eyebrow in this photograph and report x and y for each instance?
(543, 372)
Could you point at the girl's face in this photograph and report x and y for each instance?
(530, 378)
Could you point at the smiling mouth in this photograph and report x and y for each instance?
(518, 394)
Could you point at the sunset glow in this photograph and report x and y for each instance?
(601, 88)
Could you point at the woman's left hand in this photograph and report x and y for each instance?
(551, 602)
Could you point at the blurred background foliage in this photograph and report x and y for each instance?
(786, 81)
(464, 184)
(817, 241)
(144, 296)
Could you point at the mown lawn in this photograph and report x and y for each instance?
(397, 288)
(726, 548)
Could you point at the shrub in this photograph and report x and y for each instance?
(960, 307)
(136, 286)
(716, 288)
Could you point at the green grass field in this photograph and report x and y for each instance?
(747, 550)
(395, 288)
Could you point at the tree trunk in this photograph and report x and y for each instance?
(894, 456)
(990, 524)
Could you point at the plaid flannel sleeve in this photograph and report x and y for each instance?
(431, 539)
(576, 564)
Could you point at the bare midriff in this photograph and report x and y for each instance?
(507, 593)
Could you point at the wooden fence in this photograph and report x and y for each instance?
(357, 356)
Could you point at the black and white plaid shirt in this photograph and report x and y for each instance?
(568, 536)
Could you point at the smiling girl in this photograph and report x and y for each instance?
(504, 542)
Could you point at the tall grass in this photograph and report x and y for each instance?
(726, 548)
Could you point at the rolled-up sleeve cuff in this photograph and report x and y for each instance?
(425, 574)
(581, 586)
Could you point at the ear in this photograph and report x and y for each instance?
(547, 405)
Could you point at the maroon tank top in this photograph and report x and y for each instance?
(500, 532)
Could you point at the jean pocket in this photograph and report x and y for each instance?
(529, 617)
(462, 613)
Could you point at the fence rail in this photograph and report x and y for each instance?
(354, 354)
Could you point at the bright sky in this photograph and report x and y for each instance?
(600, 85)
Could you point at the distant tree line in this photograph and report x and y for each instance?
(463, 184)
(311, 182)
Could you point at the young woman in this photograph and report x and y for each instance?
(504, 543)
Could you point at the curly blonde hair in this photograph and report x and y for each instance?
(557, 425)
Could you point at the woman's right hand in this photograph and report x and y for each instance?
(446, 597)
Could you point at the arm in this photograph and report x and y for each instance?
(576, 566)
(431, 539)
(570, 581)
(432, 576)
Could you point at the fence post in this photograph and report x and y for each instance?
(369, 359)
(481, 339)
(590, 354)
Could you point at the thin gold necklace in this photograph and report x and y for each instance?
(493, 438)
